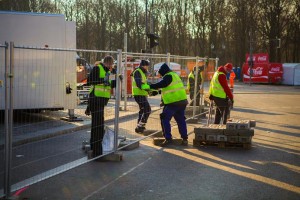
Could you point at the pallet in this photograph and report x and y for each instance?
(198, 143)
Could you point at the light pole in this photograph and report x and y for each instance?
(250, 63)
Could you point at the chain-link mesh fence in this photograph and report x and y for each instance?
(50, 129)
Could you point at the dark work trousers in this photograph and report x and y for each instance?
(222, 110)
(144, 106)
(192, 98)
(97, 105)
(178, 112)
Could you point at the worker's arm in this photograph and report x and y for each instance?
(163, 83)
(93, 78)
(138, 79)
(223, 82)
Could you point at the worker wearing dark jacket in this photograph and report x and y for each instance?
(174, 100)
(139, 77)
(220, 93)
(192, 81)
(99, 95)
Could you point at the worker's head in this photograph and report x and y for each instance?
(108, 61)
(164, 69)
(228, 67)
(144, 64)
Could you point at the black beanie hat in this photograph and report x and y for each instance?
(144, 63)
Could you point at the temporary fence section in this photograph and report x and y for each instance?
(40, 90)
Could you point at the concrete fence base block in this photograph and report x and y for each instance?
(116, 156)
(129, 144)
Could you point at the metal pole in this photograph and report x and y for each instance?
(146, 25)
(118, 98)
(251, 57)
(168, 59)
(195, 88)
(8, 117)
(125, 73)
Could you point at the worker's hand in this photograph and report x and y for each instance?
(230, 103)
(161, 104)
(201, 91)
(153, 92)
(145, 86)
(121, 77)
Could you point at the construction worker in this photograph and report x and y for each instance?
(139, 77)
(191, 84)
(99, 95)
(231, 79)
(220, 93)
(174, 101)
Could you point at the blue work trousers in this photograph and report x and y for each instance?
(178, 112)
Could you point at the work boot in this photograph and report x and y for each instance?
(166, 142)
(139, 129)
(184, 142)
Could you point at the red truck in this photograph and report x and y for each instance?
(262, 71)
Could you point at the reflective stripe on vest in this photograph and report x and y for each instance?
(216, 88)
(175, 91)
(135, 89)
(100, 90)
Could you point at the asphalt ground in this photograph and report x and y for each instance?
(269, 170)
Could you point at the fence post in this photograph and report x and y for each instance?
(195, 88)
(125, 73)
(118, 98)
(8, 116)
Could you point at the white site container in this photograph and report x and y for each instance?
(40, 76)
(291, 73)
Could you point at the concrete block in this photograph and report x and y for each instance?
(115, 156)
(211, 138)
(243, 124)
(231, 132)
(245, 139)
(211, 129)
(231, 125)
(233, 138)
(221, 138)
(200, 136)
(252, 123)
(247, 132)
(129, 144)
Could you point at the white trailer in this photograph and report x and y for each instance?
(40, 75)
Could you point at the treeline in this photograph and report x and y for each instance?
(214, 28)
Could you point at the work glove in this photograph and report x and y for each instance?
(230, 103)
(187, 91)
(201, 91)
(121, 77)
(161, 104)
(145, 86)
(153, 92)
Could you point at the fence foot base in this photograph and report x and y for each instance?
(129, 144)
(116, 156)
(71, 119)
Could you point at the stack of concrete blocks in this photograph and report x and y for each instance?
(235, 132)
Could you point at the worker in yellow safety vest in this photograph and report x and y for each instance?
(220, 93)
(101, 83)
(174, 101)
(139, 78)
(191, 84)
